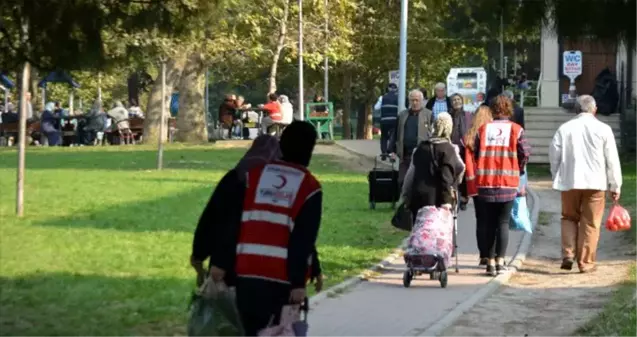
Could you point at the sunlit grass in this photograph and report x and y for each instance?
(103, 248)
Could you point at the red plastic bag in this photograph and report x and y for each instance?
(618, 219)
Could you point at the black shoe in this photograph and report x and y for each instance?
(501, 269)
(483, 261)
(567, 264)
(383, 157)
(491, 270)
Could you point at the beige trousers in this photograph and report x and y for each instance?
(582, 212)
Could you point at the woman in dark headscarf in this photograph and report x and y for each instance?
(224, 208)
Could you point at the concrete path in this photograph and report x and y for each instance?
(383, 307)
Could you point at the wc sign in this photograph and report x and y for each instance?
(572, 64)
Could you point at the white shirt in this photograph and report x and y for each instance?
(379, 103)
(583, 156)
(287, 111)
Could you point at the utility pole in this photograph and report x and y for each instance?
(162, 119)
(327, 76)
(502, 43)
(22, 131)
(301, 93)
(402, 61)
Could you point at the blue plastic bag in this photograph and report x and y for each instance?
(520, 219)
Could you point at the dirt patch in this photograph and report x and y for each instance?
(541, 299)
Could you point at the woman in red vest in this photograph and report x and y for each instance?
(501, 153)
(482, 116)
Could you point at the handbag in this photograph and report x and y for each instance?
(290, 323)
(402, 218)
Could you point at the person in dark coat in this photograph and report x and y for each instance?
(436, 168)
(226, 113)
(218, 230)
(50, 125)
(461, 120)
(518, 111)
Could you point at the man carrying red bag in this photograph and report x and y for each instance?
(584, 165)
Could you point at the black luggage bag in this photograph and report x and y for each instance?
(383, 185)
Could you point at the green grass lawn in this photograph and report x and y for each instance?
(104, 246)
(619, 317)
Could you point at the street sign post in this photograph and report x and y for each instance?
(572, 68)
(394, 77)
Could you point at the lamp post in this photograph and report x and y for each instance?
(327, 76)
(301, 93)
(162, 118)
(402, 61)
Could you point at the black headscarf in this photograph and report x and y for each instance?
(297, 142)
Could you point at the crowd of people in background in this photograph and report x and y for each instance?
(88, 127)
(441, 148)
(234, 114)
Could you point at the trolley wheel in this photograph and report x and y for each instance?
(443, 279)
(407, 277)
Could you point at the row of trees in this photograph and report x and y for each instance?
(253, 43)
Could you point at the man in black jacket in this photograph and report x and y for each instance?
(388, 116)
(518, 111)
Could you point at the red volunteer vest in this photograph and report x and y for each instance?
(274, 196)
(497, 165)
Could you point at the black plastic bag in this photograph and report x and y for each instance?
(402, 218)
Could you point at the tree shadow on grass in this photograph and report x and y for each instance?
(346, 218)
(67, 304)
(129, 159)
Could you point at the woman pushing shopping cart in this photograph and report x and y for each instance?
(430, 193)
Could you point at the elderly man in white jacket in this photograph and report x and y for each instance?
(584, 165)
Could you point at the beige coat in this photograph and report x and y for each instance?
(424, 128)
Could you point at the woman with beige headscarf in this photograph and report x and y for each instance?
(435, 171)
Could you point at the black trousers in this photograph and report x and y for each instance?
(386, 131)
(493, 228)
(260, 302)
(479, 210)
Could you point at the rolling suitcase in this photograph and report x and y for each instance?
(383, 185)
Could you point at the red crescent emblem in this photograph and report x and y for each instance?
(499, 133)
(284, 181)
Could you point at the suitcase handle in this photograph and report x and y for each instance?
(392, 160)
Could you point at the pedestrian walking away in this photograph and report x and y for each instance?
(501, 153)
(584, 165)
(388, 117)
(279, 225)
(414, 125)
(482, 116)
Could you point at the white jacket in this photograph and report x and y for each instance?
(583, 156)
(287, 110)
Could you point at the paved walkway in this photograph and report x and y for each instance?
(383, 307)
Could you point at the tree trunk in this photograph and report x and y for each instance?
(347, 107)
(191, 120)
(369, 125)
(174, 68)
(360, 123)
(280, 44)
